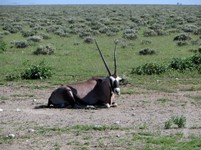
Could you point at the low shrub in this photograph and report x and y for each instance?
(196, 59)
(28, 33)
(176, 121)
(44, 50)
(149, 69)
(182, 43)
(103, 30)
(145, 42)
(182, 37)
(190, 28)
(12, 28)
(35, 38)
(84, 34)
(181, 64)
(130, 34)
(199, 69)
(61, 32)
(123, 44)
(147, 51)
(45, 36)
(88, 40)
(149, 33)
(3, 46)
(199, 49)
(40, 71)
(20, 44)
(12, 77)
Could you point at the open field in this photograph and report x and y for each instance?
(149, 104)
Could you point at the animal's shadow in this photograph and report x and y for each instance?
(76, 106)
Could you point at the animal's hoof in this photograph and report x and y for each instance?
(114, 104)
(90, 107)
(107, 105)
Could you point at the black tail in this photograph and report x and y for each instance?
(42, 106)
(45, 106)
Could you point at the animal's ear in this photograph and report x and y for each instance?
(99, 80)
(119, 79)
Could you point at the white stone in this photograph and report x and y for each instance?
(1, 110)
(117, 122)
(18, 110)
(11, 135)
(31, 130)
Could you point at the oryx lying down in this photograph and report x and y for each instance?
(95, 91)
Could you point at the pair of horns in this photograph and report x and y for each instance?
(115, 61)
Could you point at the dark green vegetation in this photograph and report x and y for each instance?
(29, 30)
(179, 122)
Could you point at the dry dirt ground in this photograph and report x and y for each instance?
(24, 127)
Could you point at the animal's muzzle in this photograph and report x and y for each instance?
(117, 91)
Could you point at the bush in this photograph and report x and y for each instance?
(35, 38)
(147, 51)
(12, 77)
(190, 28)
(182, 37)
(103, 30)
(196, 59)
(88, 40)
(149, 33)
(28, 33)
(181, 64)
(199, 49)
(179, 122)
(12, 28)
(3, 46)
(149, 69)
(40, 71)
(84, 34)
(130, 34)
(61, 32)
(199, 69)
(20, 44)
(45, 36)
(145, 42)
(44, 50)
(182, 43)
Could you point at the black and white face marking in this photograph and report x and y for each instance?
(115, 84)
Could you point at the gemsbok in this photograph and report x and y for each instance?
(97, 91)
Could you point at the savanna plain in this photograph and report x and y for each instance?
(158, 57)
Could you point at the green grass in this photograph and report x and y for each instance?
(73, 62)
(81, 137)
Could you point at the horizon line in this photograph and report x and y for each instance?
(177, 4)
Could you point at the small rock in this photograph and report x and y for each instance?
(18, 110)
(31, 130)
(117, 122)
(34, 100)
(117, 135)
(133, 114)
(1, 110)
(11, 135)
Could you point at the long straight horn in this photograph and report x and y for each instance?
(108, 70)
(115, 60)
